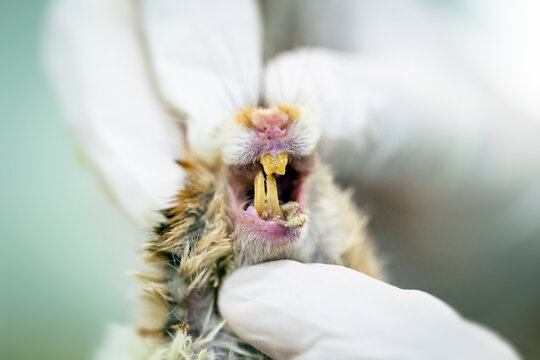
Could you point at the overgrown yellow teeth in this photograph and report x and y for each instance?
(267, 202)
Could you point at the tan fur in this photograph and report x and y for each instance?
(244, 117)
(355, 247)
(201, 263)
(292, 112)
(205, 256)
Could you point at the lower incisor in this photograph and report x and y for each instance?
(272, 200)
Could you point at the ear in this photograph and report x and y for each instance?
(206, 59)
(97, 65)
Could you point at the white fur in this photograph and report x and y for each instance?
(235, 139)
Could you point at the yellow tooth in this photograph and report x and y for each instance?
(267, 162)
(274, 163)
(260, 196)
(281, 163)
(272, 200)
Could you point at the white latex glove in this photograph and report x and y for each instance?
(317, 311)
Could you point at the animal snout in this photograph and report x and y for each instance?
(271, 126)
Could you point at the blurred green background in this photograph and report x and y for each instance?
(66, 251)
(63, 275)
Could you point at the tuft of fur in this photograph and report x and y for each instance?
(189, 256)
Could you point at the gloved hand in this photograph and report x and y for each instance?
(317, 311)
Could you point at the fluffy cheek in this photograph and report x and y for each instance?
(253, 246)
(239, 146)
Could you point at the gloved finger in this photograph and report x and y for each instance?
(383, 112)
(316, 311)
(206, 56)
(97, 65)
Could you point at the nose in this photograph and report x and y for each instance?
(272, 131)
(271, 126)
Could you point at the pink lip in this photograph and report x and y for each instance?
(267, 231)
(251, 214)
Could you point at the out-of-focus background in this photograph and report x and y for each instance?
(63, 259)
(473, 241)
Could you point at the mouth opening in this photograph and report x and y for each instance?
(272, 190)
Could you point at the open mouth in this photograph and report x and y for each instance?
(271, 192)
